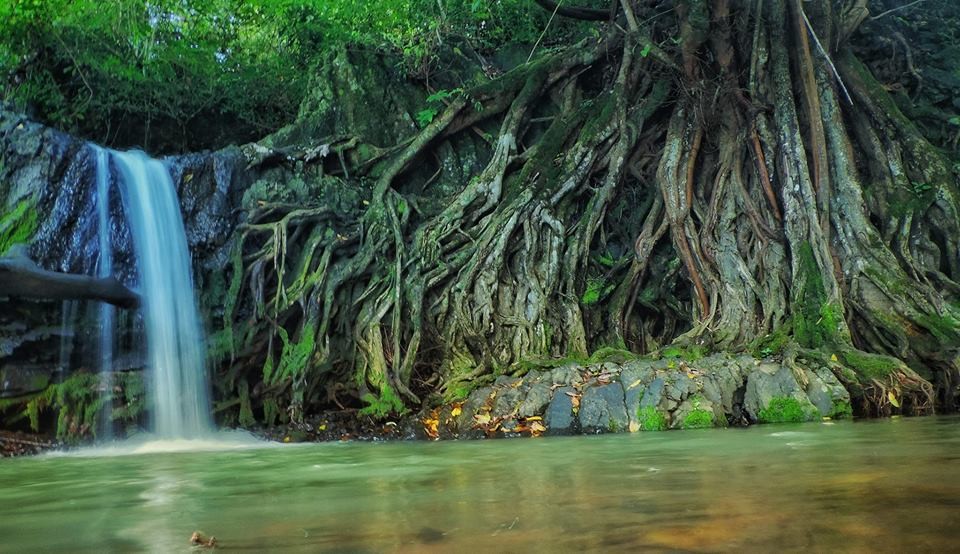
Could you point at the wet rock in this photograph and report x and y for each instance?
(721, 380)
(770, 381)
(566, 375)
(22, 379)
(602, 409)
(826, 393)
(633, 379)
(506, 402)
(677, 387)
(537, 399)
(653, 393)
(696, 412)
(559, 417)
(477, 399)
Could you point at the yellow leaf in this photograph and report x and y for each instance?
(286, 439)
(455, 411)
(833, 358)
(322, 427)
(893, 399)
(536, 428)
(482, 419)
(535, 418)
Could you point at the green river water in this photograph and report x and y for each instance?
(885, 485)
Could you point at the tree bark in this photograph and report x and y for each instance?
(19, 276)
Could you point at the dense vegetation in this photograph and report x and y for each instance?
(177, 75)
(688, 177)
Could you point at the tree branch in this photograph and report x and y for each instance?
(19, 276)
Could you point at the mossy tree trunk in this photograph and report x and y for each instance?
(728, 177)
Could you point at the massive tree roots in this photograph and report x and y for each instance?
(726, 176)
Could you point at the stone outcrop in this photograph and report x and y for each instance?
(642, 394)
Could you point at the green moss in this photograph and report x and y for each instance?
(772, 343)
(688, 353)
(231, 297)
(944, 328)
(871, 366)
(651, 419)
(294, 357)
(18, 226)
(245, 417)
(815, 320)
(841, 410)
(786, 409)
(698, 418)
(386, 405)
(616, 354)
(597, 288)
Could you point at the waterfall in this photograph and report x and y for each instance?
(175, 351)
(106, 313)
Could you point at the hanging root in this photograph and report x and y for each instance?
(633, 196)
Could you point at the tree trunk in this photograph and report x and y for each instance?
(724, 194)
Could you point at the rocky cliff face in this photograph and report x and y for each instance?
(48, 196)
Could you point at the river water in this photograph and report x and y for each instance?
(885, 485)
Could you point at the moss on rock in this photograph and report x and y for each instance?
(786, 409)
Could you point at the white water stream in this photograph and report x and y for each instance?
(175, 345)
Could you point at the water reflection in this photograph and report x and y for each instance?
(873, 486)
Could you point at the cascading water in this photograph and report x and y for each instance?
(106, 313)
(175, 353)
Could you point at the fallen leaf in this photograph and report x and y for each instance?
(536, 428)
(535, 418)
(455, 411)
(833, 358)
(893, 399)
(482, 419)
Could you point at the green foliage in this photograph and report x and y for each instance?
(426, 115)
(131, 72)
(78, 402)
(18, 226)
(597, 288)
(651, 419)
(167, 63)
(786, 409)
(386, 405)
(294, 357)
(697, 418)
(841, 410)
(128, 397)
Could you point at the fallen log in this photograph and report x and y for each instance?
(21, 277)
